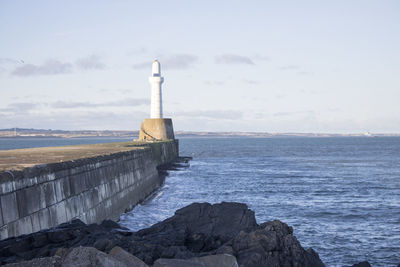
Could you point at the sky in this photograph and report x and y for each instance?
(259, 66)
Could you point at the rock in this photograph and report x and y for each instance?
(39, 262)
(312, 258)
(43, 251)
(221, 260)
(272, 244)
(225, 249)
(39, 240)
(197, 228)
(101, 244)
(74, 224)
(73, 234)
(20, 246)
(59, 236)
(126, 257)
(196, 231)
(176, 263)
(222, 220)
(110, 224)
(90, 257)
(61, 252)
(84, 257)
(173, 252)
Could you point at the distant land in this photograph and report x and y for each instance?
(24, 132)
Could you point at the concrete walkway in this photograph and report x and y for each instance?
(19, 159)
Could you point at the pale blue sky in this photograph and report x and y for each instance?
(273, 66)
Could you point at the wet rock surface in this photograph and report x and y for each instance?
(195, 231)
(220, 260)
(84, 257)
(178, 164)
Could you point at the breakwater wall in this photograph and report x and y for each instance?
(90, 189)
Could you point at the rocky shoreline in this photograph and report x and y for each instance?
(200, 234)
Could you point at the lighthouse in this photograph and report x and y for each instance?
(156, 81)
(156, 128)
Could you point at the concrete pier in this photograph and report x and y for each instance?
(43, 187)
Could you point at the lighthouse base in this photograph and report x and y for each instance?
(156, 129)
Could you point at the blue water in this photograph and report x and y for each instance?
(341, 195)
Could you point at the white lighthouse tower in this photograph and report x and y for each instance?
(156, 81)
(156, 128)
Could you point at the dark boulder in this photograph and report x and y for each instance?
(272, 244)
(195, 231)
(84, 257)
(220, 260)
(127, 258)
(38, 262)
(202, 226)
(88, 256)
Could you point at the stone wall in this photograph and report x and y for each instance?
(90, 189)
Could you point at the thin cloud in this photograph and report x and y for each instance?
(311, 92)
(30, 96)
(252, 82)
(214, 114)
(129, 102)
(304, 73)
(90, 62)
(25, 107)
(138, 51)
(294, 113)
(9, 61)
(142, 65)
(50, 67)
(64, 104)
(233, 59)
(261, 57)
(19, 107)
(290, 67)
(75, 120)
(280, 96)
(180, 61)
(172, 62)
(122, 91)
(214, 82)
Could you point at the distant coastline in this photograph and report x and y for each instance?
(40, 133)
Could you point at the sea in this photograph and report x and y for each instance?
(341, 195)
